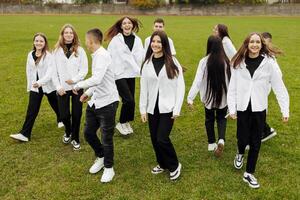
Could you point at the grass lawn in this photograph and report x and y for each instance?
(46, 169)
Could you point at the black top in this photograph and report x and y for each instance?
(34, 56)
(129, 41)
(158, 63)
(69, 51)
(253, 63)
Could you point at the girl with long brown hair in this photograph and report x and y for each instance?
(39, 70)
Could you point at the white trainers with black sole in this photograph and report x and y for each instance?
(174, 175)
(66, 139)
(157, 170)
(97, 166)
(19, 137)
(76, 145)
(251, 180)
(238, 161)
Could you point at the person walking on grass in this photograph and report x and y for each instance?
(39, 71)
(221, 30)
(127, 54)
(161, 96)
(159, 25)
(211, 81)
(254, 69)
(71, 67)
(102, 107)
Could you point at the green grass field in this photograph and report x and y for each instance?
(46, 169)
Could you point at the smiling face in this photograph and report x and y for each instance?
(68, 35)
(39, 43)
(156, 45)
(158, 26)
(254, 45)
(126, 26)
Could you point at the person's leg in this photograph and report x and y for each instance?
(221, 122)
(131, 85)
(76, 114)
(243, 130)
(52, 99)
(64, 111)
(33, 108)
(209, 125)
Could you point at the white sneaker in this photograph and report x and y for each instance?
(247, 147)
(128, 127)
(107, 175)
(122, 129)
(66, 139)
(157, 170)
(60, 125)
(251, 180)
(19, 137)
(212, 146)
(76, 145)
(97, 166)
(174, 175)
(238, 161)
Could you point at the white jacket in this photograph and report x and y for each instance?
(172, 48)
(126, 63)
(229, 49)
(45, 70)
(200, 85)
(101, 85)
(74, 68)
(171, 91)
(242, 88)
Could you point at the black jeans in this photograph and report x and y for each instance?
(211, 115)
(71, 126)
(250, 126)
(103, 118)
(126, 89)
(34, 104)
(160, 125)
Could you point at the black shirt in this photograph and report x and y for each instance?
(35, 58)
(69, 51)
(129, 41)
(253, 63)
(158, 63)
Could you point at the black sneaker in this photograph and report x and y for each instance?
(251, 180)
(269, 135)
(66, 139)
(238, 161)
(174, 175)
(157, 170)
(76, 145)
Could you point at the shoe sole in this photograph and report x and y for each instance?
(18, 139)
(155, 173)
(219, 150)
(177, 175)
(250, 185)
(269, 137)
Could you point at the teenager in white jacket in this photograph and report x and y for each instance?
(39, 71)
(211, 82)
(71, 67)
(221, 30)
(159, 25)
(254, 69)
(127, 54)
(102, 107)
(161, 96)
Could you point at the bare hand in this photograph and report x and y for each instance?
(35, 85)
(61, 92)
(285, 119)
(144, 118)
(174, 116)
(70, 82)
(83, 98)
(233, 116)
(74, 91)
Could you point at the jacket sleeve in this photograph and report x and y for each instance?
(172, 47)
(180, 90)
(196, 83)
(50, 65)
(143, 93)
(229, 49)
(89, 92)
(83, 68)
(232, 92)
(55, 78)
(139, 53)
(28, 74)
(280, 91)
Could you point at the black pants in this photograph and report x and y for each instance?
(126, 89)
(71, 126)
(103, 118)
(250, 126)
(160, 125)
(267, 129)
(211, 115)
(34, 104)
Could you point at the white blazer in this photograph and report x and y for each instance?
(126, 63)
(101, 85)
(200, 86)
(74, 68)
(172, 47)
(229, 49)
(171, 91)
(243, 88)
(45, 70)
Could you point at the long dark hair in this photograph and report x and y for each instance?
(223, 31)
(116, 28)
(171, 68)
(243, 51)
(44, 50)
(217, 67)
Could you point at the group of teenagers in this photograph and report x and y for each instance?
(231, 83)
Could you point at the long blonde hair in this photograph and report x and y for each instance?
(61, 42)
(44, 50)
